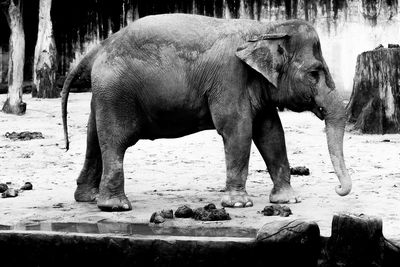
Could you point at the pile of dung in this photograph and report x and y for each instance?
(23, 136)
(276, 210)
(207, 213)
(300, 170)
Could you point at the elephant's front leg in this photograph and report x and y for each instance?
(237, 143)
(269, 138)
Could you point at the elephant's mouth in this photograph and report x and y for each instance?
(319, 112)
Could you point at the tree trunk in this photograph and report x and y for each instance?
(356, 240)
(289, 243)
(374, 105)
(45, 65)
(14, 103)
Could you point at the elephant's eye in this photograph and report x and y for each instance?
(314, 76)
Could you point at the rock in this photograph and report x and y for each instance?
(299, 170)
(10, 192)
(379, 47)
(184, 212)
(167, 214)
(3, 188)
(202, 214)
(27, 186)
(275, 210)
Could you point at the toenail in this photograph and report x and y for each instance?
(249, 204)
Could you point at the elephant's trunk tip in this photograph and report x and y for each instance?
(343, 190)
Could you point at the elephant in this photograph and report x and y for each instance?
(170, 75)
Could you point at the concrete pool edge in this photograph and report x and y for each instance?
(286, 245)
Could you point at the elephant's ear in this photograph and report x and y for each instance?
(265, 54)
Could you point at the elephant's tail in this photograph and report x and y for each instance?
(83, 69)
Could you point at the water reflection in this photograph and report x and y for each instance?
(107, 227)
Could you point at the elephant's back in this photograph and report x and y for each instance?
(175, 29)
(187, 30)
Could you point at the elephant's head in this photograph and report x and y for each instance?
(289, 56)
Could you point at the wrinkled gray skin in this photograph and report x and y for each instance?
(171, 75)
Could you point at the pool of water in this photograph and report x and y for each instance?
(121, 228)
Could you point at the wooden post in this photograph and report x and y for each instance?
(374, 105)
(356, 240)
(289, 243)
(45, 65)
(12, 11)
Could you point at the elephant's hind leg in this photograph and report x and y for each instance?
(269, 138)
(116, 133)
(89, 179)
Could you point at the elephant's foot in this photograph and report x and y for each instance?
(236, 199)
(121, 203)
(86, 193)
(284, 195)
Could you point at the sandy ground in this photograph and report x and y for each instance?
(191, 170)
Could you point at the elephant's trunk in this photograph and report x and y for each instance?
(335, 120)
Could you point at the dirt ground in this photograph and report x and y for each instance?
(191, 170)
